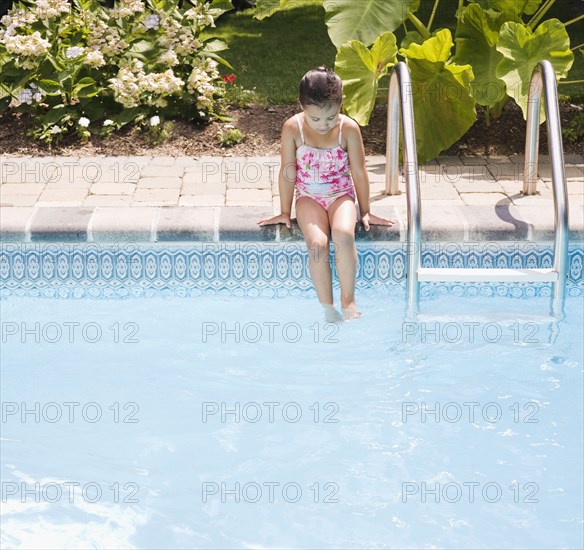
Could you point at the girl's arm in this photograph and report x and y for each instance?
(356, 151)
(286, 176)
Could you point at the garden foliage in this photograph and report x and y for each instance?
(489, 60)
(81, 67)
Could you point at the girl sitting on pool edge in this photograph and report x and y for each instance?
(322, 155)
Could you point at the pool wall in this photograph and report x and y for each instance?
(91, 270)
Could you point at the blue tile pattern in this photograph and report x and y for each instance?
(256, 269)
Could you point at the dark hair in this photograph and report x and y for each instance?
(321, 87)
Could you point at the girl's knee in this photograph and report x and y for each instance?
(317, 242)
(343, 238)
(318, 247)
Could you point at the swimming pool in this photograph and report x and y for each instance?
(192, 396)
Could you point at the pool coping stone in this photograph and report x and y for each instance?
(463, 199)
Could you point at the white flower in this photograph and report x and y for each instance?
(169, 58)
(162, 83)
(55, 130)
(18, 18)
(126, 8)
(152, 22)
(200, 16)
(30, 45)
(94, 58)
(126, 85)
(73, 52)
(25, 96)
(84, 122)
(106, 41)
(37, 96)
(47, 9)
(10, 31)
(108, 122)
(155, 121)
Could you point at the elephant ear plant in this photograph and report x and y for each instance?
(81, 68)
(489, 60)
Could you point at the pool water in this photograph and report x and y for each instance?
(239, 422)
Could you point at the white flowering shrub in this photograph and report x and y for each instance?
(78, 67)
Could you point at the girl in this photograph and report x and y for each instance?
(321, 149)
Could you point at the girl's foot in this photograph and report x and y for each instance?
(351, 313)
(331, 315)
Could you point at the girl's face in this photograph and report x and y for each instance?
(322, 119)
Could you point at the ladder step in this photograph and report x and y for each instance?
(500, 317)
(479, 275)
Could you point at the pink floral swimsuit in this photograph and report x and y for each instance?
(323, 175)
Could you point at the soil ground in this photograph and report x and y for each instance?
(262, 126)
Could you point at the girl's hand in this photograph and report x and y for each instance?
(368, 219)
(280, 218)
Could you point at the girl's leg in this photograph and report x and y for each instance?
(343, 217)
(314, 223)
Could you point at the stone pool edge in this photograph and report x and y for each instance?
(460, 223)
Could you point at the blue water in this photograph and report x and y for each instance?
(251, 423)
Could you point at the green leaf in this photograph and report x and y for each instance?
(360, 69)
(266, 8)
(4, 102)
(523, 49)
(11, 70)
(54, 115)
(219, 7)
(92, 109)
(65, 75)
(50, 87)
(141, 47)
(221, 60)
(212, 47)
(411, 37)
(215, 45)
(88, 91)
(477, 33)
(443, 105)
(86, 4)
(512, 8)
(83, 83)
(127, 115)
(364, 20)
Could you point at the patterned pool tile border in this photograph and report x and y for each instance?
(93, 270)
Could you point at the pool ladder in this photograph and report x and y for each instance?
(400, 102)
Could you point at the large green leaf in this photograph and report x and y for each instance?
(219, 7)
(477, 33)
(514, 8)
(360, 69)
(364, 20)
(523, 49)
(266, 8)
(443, 105)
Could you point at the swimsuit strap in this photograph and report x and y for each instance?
(341, 130)
(299, 127)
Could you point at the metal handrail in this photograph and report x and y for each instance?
(400, 106)
(400, 102)
(543, 79)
